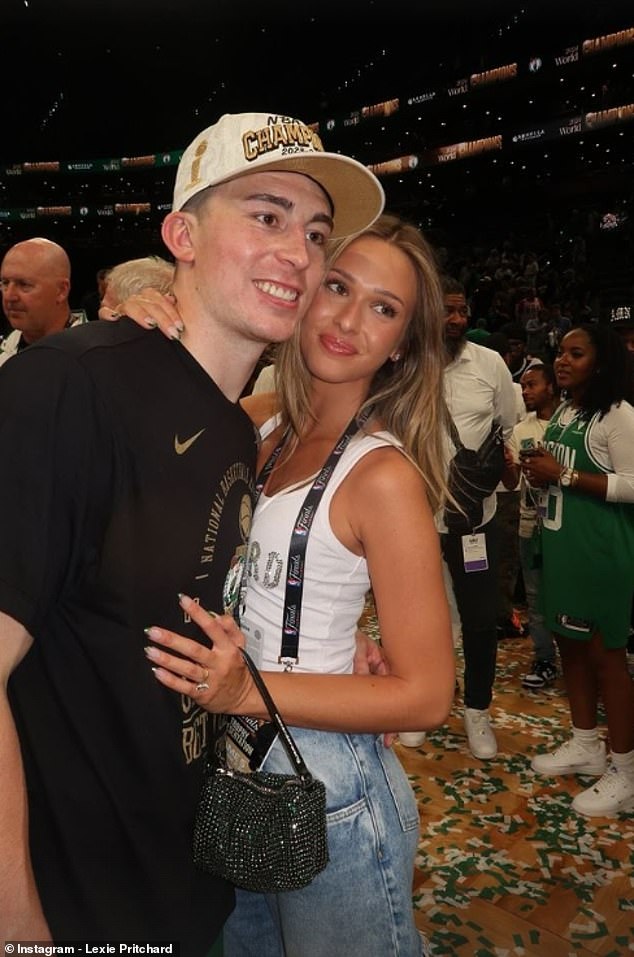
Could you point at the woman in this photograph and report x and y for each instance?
(370, 349)
(588, 560)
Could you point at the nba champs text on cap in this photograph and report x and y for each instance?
(242, 143)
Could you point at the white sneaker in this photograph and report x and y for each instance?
(482, 743)
(412, 739)
(612, 793)
(571, 757)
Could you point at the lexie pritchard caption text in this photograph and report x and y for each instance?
(16, 948)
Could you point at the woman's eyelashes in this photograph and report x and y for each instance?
(386, 309)
(337, 286)
(381, 306)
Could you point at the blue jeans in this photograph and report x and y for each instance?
(362, 902)
(543, 643)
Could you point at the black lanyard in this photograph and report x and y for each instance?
(299, 538)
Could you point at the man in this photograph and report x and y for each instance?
(528, 306)
(541, 396)
(507, 516)
(130, 480)
(35, 284)
(133, 276)
(478, 390)
(558, 325)
(91, 302)
(518, 360)
(622, 321)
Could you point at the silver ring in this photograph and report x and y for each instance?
(203, 686)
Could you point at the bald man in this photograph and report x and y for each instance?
(35, 284)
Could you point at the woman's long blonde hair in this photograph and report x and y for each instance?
(407, 395)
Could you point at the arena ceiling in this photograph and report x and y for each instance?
(124, 77)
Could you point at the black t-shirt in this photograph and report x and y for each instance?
(126, 478)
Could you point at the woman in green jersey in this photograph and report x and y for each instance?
(586, 472)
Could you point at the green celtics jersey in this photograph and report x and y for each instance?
(588, 543)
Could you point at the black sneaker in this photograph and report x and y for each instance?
(543, 674)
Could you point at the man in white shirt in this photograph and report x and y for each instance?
(35, 284)
(479, 390)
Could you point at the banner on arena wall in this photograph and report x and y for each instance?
(567, 56)
(401, 164)
(383, 109)
(574, 125)
(442, 154)
(459, 151)
(459, 88)
(43, 211)
(109, 165)
(78, 212)
(497, 75)
(90, 166)
(419, 99)
(608, 42)
(548, 131)
(42, 167)
(618, 114)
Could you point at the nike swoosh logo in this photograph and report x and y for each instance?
(181, 447)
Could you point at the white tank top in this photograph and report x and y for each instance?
(335, 580)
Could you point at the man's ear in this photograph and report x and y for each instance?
(177, 232)
(63, 286)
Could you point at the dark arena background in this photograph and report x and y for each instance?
(493, 125)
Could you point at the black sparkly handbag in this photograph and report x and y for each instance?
(262, 831)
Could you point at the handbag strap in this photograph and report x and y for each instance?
(494, 433)
(285, 735)
(455, 435)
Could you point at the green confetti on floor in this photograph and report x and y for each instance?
(512, 808)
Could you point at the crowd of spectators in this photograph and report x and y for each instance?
(543, 293)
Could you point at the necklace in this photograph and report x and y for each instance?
(567, 417)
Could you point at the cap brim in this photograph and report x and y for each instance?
(357, 196)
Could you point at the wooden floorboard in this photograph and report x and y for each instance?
(505, 867)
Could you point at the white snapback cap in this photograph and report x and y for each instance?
(242, 143)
